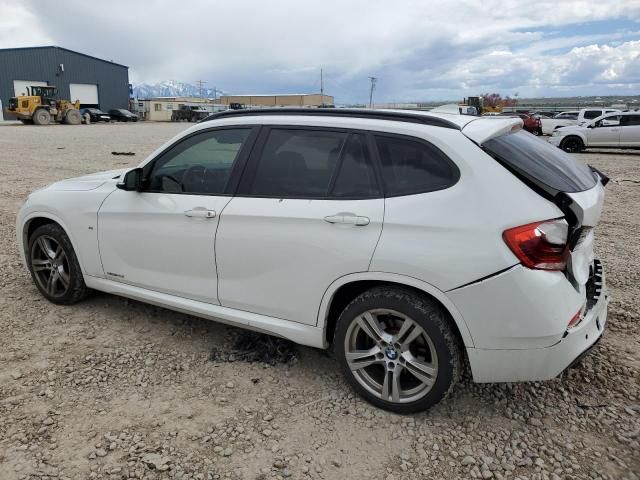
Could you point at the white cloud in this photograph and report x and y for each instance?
(419, 49)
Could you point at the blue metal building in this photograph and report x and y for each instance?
(93, 81)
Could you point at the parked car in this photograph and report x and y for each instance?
(531, 122)
(587, 114)
(563, 119)
(95, 115)
(409, 242)
(189, 113)
(578, 117)
(122, 115)
(543, 114)
(613, 130)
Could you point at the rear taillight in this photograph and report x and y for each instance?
(540, 245)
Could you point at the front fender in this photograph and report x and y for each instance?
(22, 223)
(77, 213)
(323, 311)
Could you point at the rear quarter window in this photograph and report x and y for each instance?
(411, 166)
(541, 163)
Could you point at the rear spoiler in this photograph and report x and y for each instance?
(486, 128)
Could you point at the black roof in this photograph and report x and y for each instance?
(407, 116)
(66, 50)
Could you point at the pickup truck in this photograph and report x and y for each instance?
(190, 113)
(575, 117)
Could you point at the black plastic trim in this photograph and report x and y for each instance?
(338, 112)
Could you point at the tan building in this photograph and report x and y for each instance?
(159, 109)
(285, 100)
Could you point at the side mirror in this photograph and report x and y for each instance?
(132, 180)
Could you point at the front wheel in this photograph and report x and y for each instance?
(572, 145)
(73, 117)
(398, 349)
(54, 266)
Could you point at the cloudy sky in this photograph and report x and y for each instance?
(419, 50)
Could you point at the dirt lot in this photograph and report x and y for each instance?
(114, 389)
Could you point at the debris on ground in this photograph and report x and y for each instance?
(252, 347)
(122, 153)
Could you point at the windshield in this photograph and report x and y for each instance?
(606, 120)
(541, 163)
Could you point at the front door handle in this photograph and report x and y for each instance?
(200, 212)
(348, 219)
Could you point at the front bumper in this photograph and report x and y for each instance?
(555, 140)
(517, 365)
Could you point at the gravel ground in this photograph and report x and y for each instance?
(113, 389)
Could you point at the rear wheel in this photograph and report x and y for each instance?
(572, 145)
(54, 266)
(398, 349)
(41, 117)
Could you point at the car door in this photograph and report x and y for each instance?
(630, 130)
(162, 238)
(308, 211)
(605, 132)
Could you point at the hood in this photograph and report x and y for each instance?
(569, 128)
(87, 182)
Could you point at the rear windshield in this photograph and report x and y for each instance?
(539, 162)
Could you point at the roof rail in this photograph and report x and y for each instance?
(339, 112)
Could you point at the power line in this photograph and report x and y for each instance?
(373, 86)
(200, 84)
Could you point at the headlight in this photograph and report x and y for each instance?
(555, 133)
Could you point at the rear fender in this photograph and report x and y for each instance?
(429, 289)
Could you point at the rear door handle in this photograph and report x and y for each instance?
(200, 212)
(348, 219)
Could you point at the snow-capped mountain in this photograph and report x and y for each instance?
(171, 88)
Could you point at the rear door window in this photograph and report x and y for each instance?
(629, 120)
(591, 114)
(301, 163)
(411, 166)
(540, 162)
(297, 163)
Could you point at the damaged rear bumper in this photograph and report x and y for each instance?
(517, 365)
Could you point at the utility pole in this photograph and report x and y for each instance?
(200, 84)
(373, 86)
(321, 90)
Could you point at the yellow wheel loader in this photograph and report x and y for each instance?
(41, 105)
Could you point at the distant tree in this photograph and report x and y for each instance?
(495, 100)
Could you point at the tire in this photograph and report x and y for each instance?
(73, 117)
(41, 117)
(54, 266)
(416, 344)
(572, 144)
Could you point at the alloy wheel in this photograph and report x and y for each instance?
(571, 145)
(391, 356)
(50, 266)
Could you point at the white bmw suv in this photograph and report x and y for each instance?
(413, 244)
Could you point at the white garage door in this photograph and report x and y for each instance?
(85, 92)
(20, 86)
